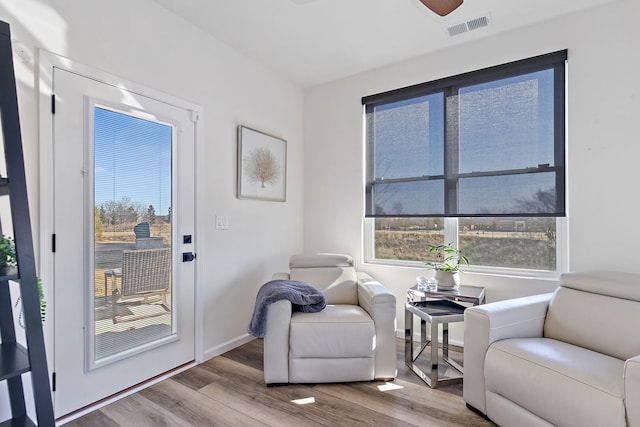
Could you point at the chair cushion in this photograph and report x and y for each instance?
(334, 274)
(338, 331)
(559, 382)
(339, 284)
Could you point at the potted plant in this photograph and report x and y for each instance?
(7, 252)
(447, 266)
(8, 258)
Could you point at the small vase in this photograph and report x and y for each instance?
(448, 279)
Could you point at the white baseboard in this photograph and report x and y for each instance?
(226, 346)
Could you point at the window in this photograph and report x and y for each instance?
(477, 159)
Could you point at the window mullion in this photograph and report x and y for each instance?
(451, 231)
(451, 152)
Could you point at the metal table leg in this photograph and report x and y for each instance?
(412, 354)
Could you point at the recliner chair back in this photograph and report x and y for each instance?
(598, 311)
(333, 274)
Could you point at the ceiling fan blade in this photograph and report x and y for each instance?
(442, 7)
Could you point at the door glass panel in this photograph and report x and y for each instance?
(131, 292)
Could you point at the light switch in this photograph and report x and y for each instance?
(222, 223)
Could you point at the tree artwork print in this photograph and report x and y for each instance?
(262, 163)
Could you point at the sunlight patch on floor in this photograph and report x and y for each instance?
(305, 401)
(389, 387)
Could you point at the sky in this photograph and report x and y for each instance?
(132, 159)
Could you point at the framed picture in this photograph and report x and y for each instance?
(262, 165)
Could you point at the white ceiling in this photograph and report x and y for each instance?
(316, 41)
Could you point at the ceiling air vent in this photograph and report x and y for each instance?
(473, 24)
(454, 30)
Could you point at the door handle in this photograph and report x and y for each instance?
(188, 256)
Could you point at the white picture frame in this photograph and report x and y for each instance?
(262, 166)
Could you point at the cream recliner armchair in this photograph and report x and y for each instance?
(352, 339)
(569, 358)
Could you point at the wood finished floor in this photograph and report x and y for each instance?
(229, 390)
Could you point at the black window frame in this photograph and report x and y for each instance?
(449, 86)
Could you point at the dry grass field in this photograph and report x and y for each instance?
(531, 250)
(124, 233)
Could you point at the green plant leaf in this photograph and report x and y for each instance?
(450, 256)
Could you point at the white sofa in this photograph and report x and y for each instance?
(352, 339)
(569, 358)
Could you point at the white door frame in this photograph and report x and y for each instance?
(47, 62)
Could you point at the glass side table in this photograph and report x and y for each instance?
(437, 308)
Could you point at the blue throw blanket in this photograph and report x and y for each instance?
(303, 297)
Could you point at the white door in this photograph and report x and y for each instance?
(123, 218)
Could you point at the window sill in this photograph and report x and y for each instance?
(516, 273)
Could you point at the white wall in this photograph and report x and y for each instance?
(144, 43)
(602, 155)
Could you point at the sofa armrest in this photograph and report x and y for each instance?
(632, 390)
(281, 276)
(485, 324)
(276, 343)
(380, 303)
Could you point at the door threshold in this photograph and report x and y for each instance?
(124, 393)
